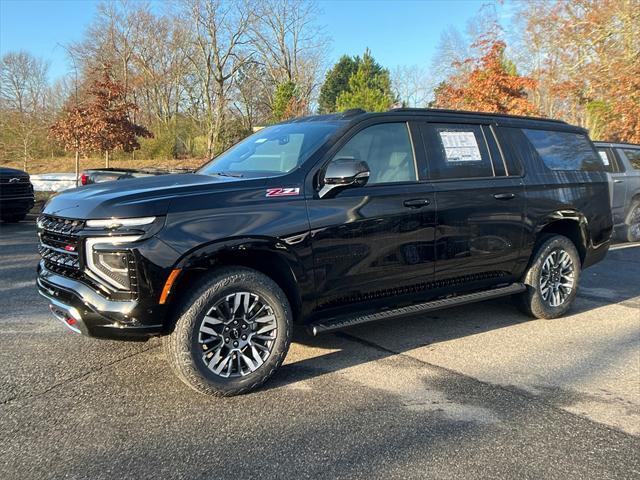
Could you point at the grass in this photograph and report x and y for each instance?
(67, 164)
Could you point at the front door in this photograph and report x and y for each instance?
(376, 241)
(480, 205)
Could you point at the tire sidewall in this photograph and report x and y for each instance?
(538, 306)
(185, 336)
(629, 235)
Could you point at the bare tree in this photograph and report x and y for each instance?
(290, 45)
(217, 52)
(412, 85)
(23, 97)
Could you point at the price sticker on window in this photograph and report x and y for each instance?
(460, 147)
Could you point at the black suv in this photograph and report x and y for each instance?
(327, 221)
(16, 195)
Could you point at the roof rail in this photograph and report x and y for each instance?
(352, 112)
(491, 114)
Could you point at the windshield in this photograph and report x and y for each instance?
(271, 151)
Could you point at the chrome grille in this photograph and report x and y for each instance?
(59, 245)
(20, 188)
(61, 250)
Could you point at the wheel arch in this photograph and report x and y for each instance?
(266, 255)
(571, 224)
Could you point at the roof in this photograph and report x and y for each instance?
(615, 144)
(358, 113)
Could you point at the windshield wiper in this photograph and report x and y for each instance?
(228, 174)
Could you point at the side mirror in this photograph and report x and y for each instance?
(344, 172)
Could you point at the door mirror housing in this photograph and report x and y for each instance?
(343, 173)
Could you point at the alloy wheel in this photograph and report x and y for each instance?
(634, 224)
(557, 278)
(237, 334)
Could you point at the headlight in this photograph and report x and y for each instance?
(107, 262)
(114, 223)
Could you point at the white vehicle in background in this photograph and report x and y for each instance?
(53, 182)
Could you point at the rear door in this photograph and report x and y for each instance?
(480, 204)
(618, 184)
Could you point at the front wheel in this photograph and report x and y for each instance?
(552, 278)
(232, 333)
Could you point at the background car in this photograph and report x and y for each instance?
(16, 195)
(100, 175)
(622, 161)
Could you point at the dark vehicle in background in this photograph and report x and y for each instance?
(99, 175)
(326, 222)
(622, 161)
(16, 195)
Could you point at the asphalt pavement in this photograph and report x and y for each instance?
(478, 391)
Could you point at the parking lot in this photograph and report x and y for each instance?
(473, 392)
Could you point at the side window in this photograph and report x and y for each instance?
(565, 150)
(514, 146)
(457, 151)
(607, 160)
(633, 155)
(387, 150)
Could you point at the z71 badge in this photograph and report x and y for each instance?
(283, 192)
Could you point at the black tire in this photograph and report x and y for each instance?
(185, 352)
(14, 218)
(632, 223)
(532, 302)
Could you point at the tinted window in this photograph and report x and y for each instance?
(564, 150)
(633, 156)
(387, 150)
(272, 151)
(514, 146)
(607, 159)
(457, 151)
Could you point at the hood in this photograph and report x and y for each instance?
(136, 197)
(12, 172)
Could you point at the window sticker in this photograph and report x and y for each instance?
(460, 147)
(603, 156)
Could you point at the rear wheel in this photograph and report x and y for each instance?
(232, 333)
(632, 223)
(552, 279)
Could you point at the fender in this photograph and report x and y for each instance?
(581, 235)
(559, 215)
(275, 257)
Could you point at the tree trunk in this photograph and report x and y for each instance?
(106, 158)
(77, 166)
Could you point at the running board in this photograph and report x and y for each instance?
(338, 323)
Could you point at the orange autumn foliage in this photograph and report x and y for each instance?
(488, 86)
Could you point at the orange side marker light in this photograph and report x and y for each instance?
(167, 285)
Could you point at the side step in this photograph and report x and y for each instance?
(338, 323)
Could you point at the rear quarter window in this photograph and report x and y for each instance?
(565, 150)
(633, 155)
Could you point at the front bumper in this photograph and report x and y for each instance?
(85, 311)
(10, 205)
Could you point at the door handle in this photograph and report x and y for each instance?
(417, 203)
(618, 181)
(504, 196)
